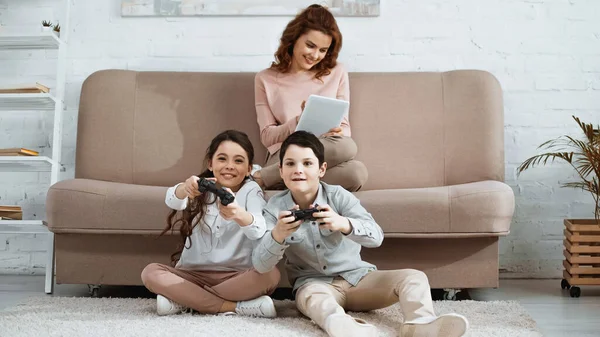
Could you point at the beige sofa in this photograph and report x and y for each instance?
(433, 144)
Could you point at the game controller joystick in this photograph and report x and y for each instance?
(304, 214)
(209, 185)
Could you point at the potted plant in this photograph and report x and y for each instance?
(582, 155)
(57, 29)
(582, 243)
(46, 26)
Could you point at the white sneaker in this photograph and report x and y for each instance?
(449, 325)
(165, 306)
(261, 307)
(344, 325)
(227, 313)
(255, 168)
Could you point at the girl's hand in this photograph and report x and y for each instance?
(190, 186)
(233, 211)
(328, 219)
(285, 226)
(333, 132)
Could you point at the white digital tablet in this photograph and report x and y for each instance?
(321, 114)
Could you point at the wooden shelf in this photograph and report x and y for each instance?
(582, 225)
(23, 227)
(581, 280)
(582, 253)
(581, 259)
(45, 42)
(20, 102)
(25, 163)
(30, 41)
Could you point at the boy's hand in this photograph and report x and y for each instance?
(328, 219)
(285, 226)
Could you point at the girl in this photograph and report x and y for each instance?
(213, 267)
(306, 63)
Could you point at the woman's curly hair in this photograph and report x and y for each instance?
(314, 17)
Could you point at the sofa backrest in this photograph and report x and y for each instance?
(428, 129)
(412, 129)
(153, 128)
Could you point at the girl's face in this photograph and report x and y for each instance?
(309, 50)
(301, 172)
(230, 165)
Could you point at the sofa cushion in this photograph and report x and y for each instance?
(474, 209)
(484, 207)
(86, 206)
(94, 206)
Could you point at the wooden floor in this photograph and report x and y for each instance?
(556, 313)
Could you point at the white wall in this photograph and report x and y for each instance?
(546, 54)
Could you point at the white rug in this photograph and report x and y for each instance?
(110, 317)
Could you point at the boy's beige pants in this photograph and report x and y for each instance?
(378, 289)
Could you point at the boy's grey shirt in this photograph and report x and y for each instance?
(319, 254)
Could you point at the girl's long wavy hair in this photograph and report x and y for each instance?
(189, 218)
(314, 17)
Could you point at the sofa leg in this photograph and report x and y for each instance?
(450, 294)
(93, 289)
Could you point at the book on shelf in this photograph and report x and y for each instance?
(18, 151)
(36, 88)
(11, 212)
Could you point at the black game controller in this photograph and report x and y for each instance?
(209, 185)
(304, 214)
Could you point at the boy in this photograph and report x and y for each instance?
(323, 253)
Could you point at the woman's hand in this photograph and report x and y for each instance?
(333, 132)
(302, 105)
(285, 226)
(328, 219)
(301, 110)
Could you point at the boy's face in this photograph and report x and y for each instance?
(301, 172)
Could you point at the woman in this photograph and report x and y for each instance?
(306, 63)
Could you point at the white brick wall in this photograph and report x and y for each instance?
(546, 54)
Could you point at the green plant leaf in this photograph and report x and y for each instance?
(582, 154)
